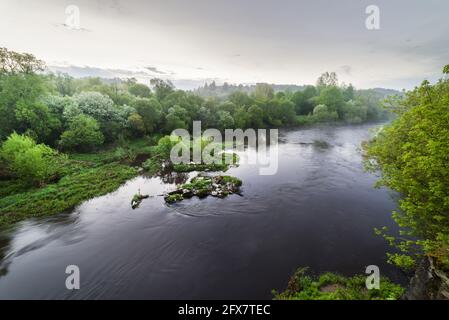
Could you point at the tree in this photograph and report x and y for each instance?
(241, 118)
(83, 134)
(139, 90)
(348, 93)
(64, 84)
(263, 91)
(27, 160)
(225, 120)
(327, 79)
(332, 97)
(322, 114)
(354, 112)
(303, 100)
(102, 109)
(162, 88)
(240, 98)
(412, 154)
(150, 111)
(14, 63)
(21, 107)
(255, 117)
(136, 124)
(176, 119)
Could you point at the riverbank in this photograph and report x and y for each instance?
(313, 209)
(332, 286)
(82, 176)
(79, 177)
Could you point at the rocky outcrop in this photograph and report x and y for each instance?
(428, 283)
(202, 186)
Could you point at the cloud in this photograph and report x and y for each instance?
(143, 76)
(155, 70)
(345, 69)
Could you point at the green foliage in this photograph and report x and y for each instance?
(83, 134)
(403, 261)
(152, 166)
(225, 120)
(332, 97)
(162, 88)
(21, 109)
(150, 111)
(321, 113)
(327, 79)
(136, 125)
(139, 90)
(102, 109)
(446, 69)
(331, 286)
(27, 160)
(67, 193)
(43, 106)
(354, 113)
(202, 186)
(412, 154)
(13, 62)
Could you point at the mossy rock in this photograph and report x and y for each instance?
(203, 186)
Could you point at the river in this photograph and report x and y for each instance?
(319, 211)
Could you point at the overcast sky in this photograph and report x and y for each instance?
(245, 41)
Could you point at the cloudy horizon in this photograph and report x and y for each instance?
(280, 42)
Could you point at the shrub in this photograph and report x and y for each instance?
(27, 160)
(83, 134)
(322, 113)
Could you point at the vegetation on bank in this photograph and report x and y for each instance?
(412, 154)
(79, 115)
(65, 140)
(65, 194)
(331, 286)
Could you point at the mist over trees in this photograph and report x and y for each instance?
(73, 114)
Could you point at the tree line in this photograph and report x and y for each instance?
(82, 114)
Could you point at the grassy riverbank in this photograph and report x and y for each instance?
(23, 203)
(77, 178)
(331, 286)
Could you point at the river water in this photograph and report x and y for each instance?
(319, 211)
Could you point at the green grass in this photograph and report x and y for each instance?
(331, 286)
(75, 178)
(67, 193)
(126, 152)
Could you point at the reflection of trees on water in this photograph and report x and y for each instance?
(171, 177)
(54, 227)
(5, 244)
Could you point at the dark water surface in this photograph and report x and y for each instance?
(319, 210)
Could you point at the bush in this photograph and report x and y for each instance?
(27, 160)
(321, 113)
(331, 286)
(83, 134)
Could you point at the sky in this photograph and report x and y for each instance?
(238, 41)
